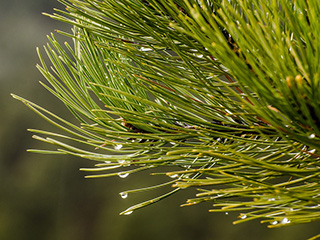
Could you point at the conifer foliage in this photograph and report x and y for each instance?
(222, 94)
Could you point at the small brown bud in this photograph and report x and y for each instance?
(288, 80)
(299, 80)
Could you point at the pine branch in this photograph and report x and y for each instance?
(225, 94)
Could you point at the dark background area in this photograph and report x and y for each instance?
(46, 196)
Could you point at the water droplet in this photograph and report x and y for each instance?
(243, 216)
(174, 176)
(312, 151)
(118, 147)
(128, 213)
(312, 136)
(285, 220)
(271, 199)
(124, 195)
(123, 174)
(274, 222)
(121, 161)
(198, 55)
(226, 213)
(143, 49)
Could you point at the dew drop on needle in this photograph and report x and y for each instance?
(174, 176)
(311, 136)
(124, 195)
(128, 213)
(285, 220)
(118, 146)
(123, 174)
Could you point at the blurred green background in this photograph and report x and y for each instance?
(46, 197)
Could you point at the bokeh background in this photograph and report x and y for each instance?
(46, 197)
